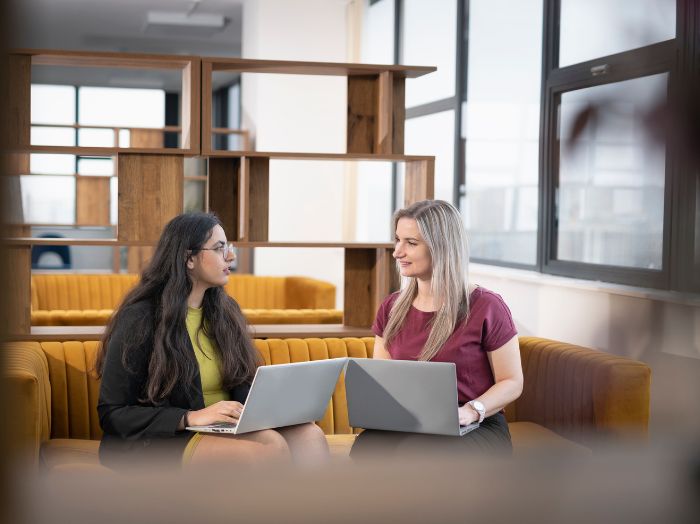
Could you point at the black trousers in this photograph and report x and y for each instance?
(492, 437)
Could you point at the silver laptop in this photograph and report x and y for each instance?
(404, 395)
(284, 395)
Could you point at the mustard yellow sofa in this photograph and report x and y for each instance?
(574, 398)
(89, 299)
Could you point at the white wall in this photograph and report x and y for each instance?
(304, 114)
(659, 328)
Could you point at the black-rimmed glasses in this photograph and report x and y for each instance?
(225, 250)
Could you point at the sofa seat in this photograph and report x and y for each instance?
(58, 452)
(573, 399)
(528, 438)
(89, 299)
(69, 452)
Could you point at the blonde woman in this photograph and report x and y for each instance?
(440, 316)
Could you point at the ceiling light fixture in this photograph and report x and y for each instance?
(184, 23)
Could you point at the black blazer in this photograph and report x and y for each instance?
(134, 429)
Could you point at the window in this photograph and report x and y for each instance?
(433, 110)
(611, 179)
(595, 28)
(500, 129)
(606, 183)
(559, 160)
(433, 22)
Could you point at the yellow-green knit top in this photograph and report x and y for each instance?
(208, 358)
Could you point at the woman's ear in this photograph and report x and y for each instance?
(190, 260)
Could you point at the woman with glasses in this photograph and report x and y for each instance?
(177, 353)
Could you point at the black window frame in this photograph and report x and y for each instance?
(654, 59)
(680, 59)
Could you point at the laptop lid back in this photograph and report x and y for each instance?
(288, 394)
(401, 395)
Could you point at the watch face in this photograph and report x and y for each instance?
(478, 405)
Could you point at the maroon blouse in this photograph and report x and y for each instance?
(488, 327)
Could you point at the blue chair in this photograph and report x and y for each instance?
(63, 253)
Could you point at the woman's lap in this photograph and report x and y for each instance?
(303, 439)
(492, 437)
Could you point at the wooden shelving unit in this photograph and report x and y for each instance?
(151, 179)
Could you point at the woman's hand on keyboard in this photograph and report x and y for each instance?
(222, 411)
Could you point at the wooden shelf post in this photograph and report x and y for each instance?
(239, 194)
(150, 194)
(376, 114)
(16, 265)
(370, 275)
(17, 93)
(420, 181)
(92, 199)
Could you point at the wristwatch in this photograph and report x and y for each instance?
(479, 408)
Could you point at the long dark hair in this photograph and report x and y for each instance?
(166, 285)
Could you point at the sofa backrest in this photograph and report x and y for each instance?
(105, 291)
(580, 393)
(584, 395)
(76, 291)
(70, 403)
(257, 292)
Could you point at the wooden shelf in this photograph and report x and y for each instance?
(246, 65)
(67, 58)
(346, 245)
(307, 331)
(113, 242)
(319, 156)
(103, 151)
(83, 333)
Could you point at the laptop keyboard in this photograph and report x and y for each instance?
(224, 425)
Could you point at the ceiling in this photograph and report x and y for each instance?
(119, 25)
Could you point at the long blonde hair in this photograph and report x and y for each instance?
(441, 226)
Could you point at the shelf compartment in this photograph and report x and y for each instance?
(375, 98)
(20, 77)
(240, 182)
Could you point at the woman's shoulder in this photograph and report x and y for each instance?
(142, 308)
(390, 299)
(135, 314)
(482, 297)
(385, 307)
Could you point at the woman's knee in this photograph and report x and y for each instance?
(310, 431)
(272, 440)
